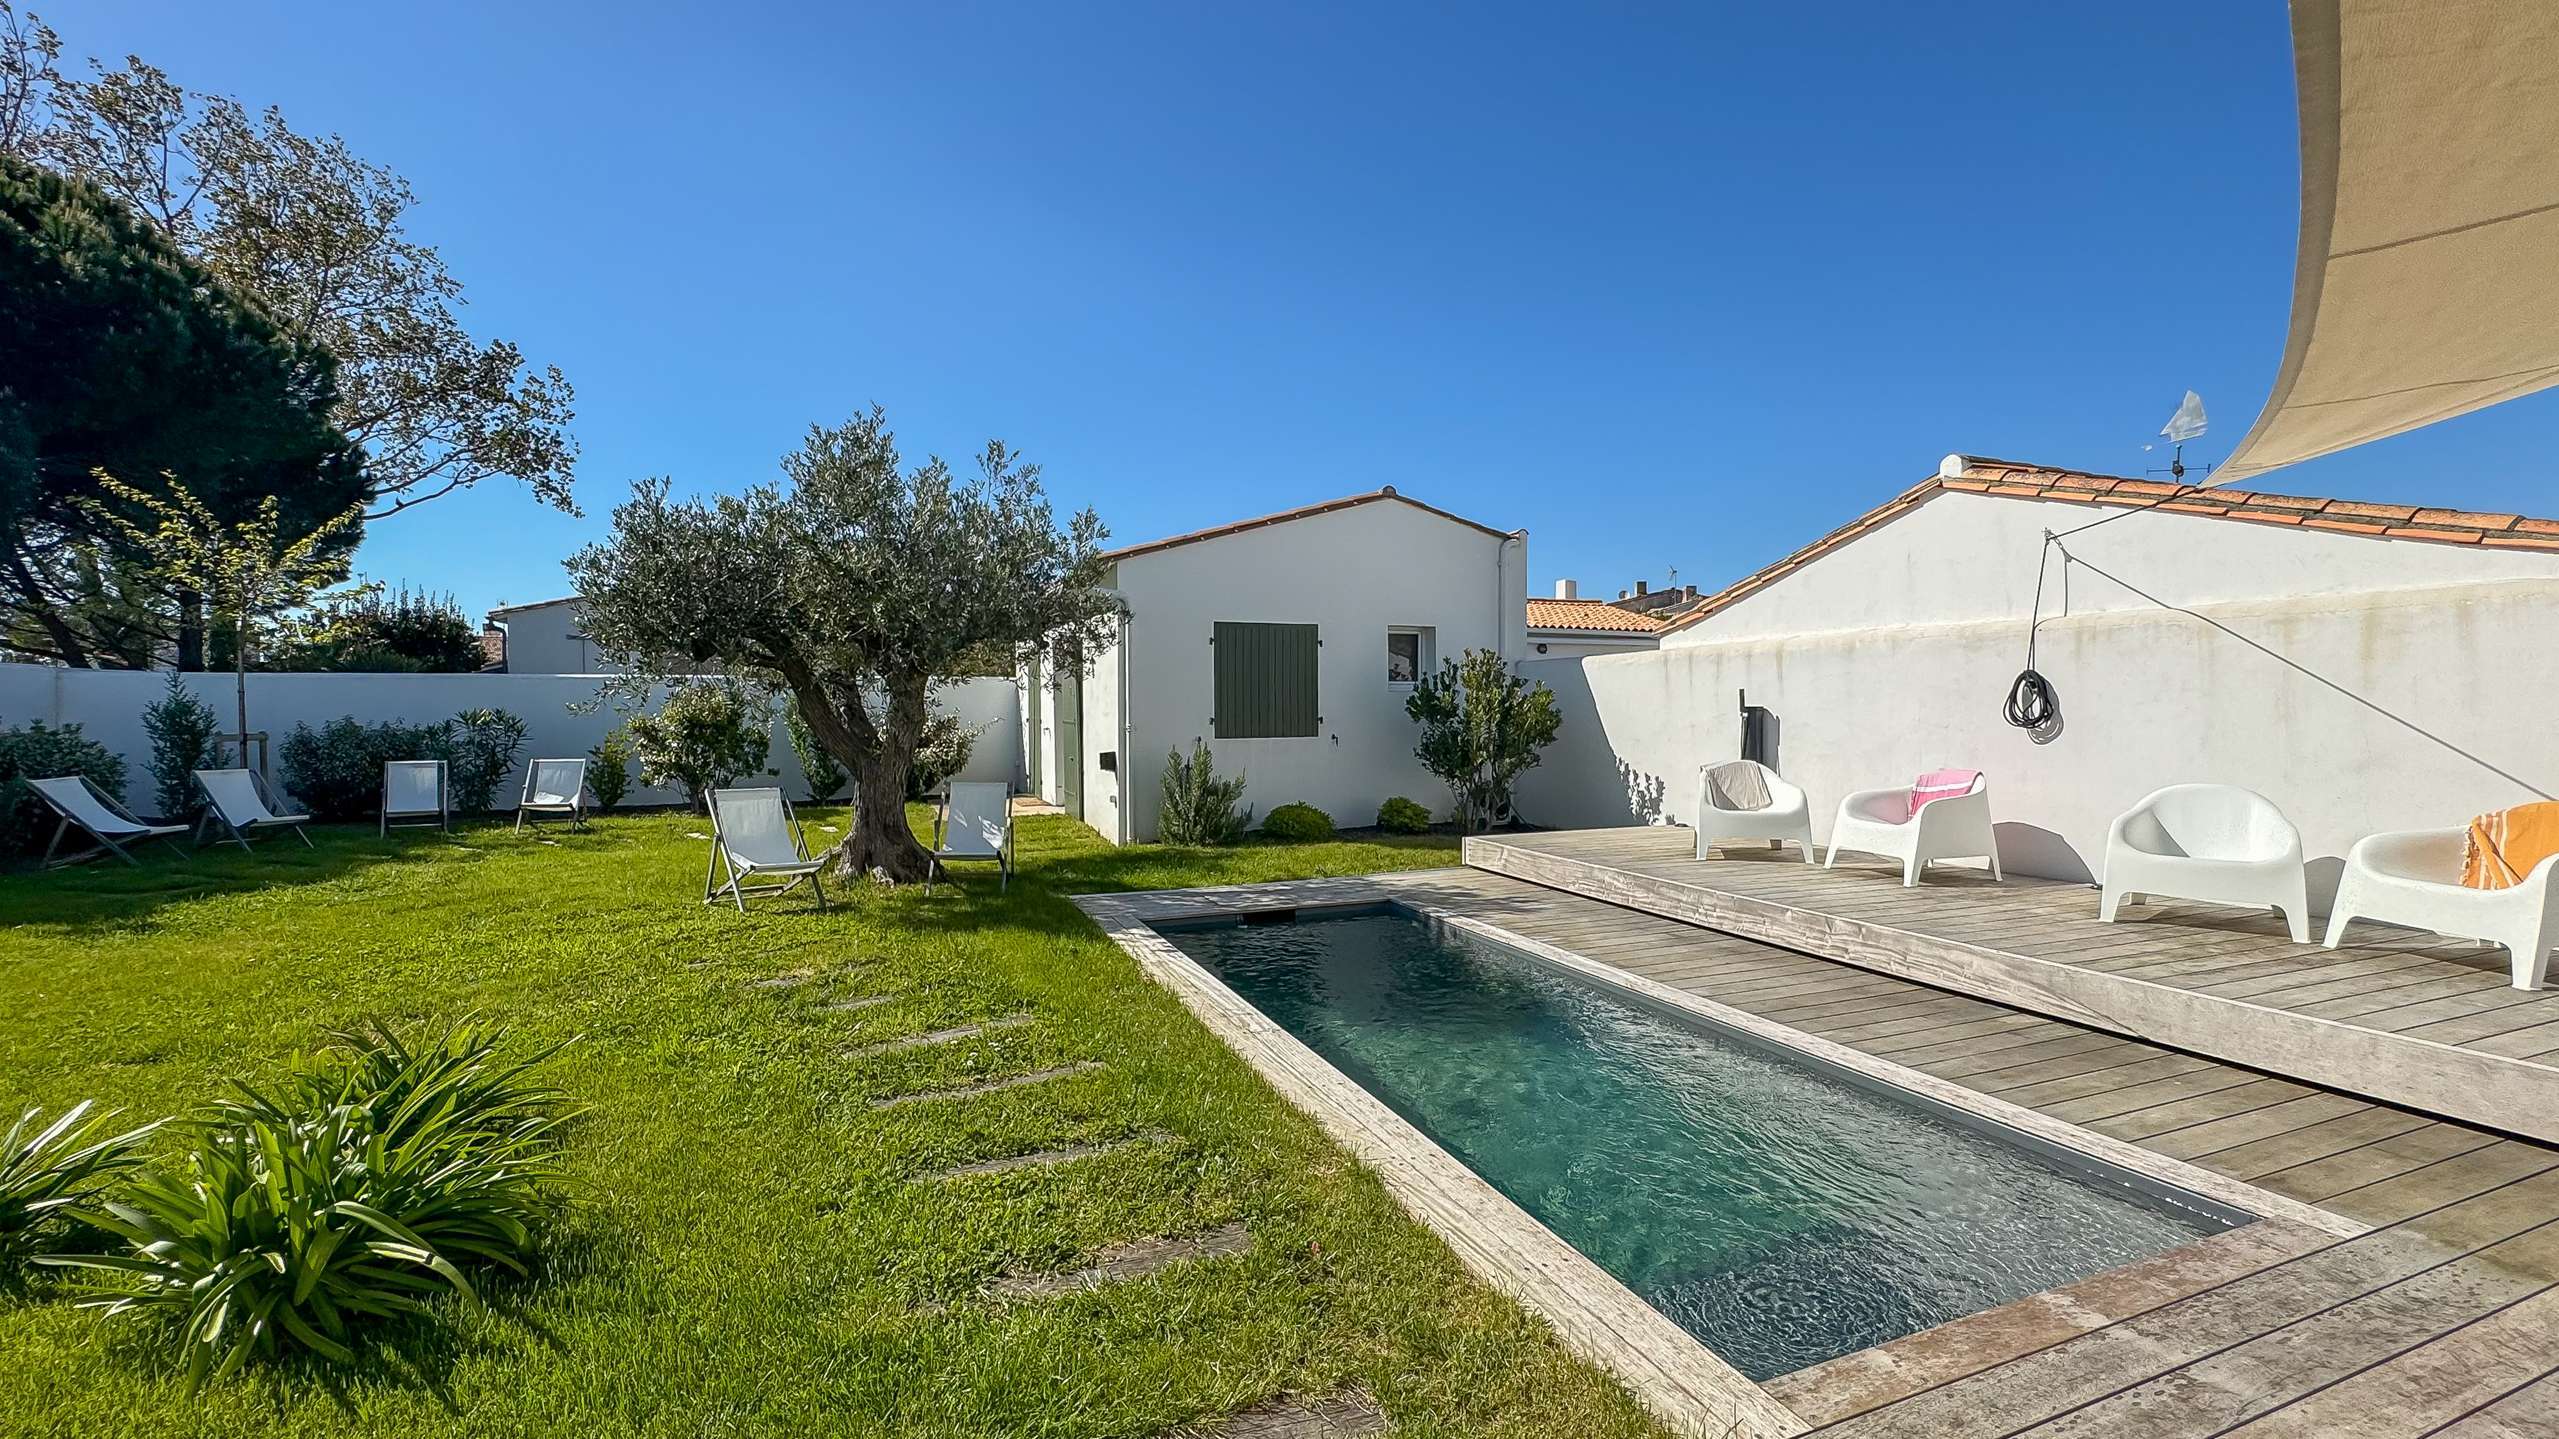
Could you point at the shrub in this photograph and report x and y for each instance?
(610, 775)
(45, 1172)
(182, 729)
(336, 770)
(707, 734)
(376, 631)
(826, 778)
(379, 1174)
(1482, 724)
(1403, 816)
(481, 746)
(1198, 807)
(1298, 822)
(942, 752)
(42, 751)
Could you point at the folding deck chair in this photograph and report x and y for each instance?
(238, 802)
(414, 794)
(78, 801)
(975, 821)
(756, 840)
(553, 786)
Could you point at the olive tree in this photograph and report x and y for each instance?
(1482, 724)
(852, 586)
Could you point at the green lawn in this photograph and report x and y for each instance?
(753, 1249)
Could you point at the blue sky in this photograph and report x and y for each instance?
(1676, 287)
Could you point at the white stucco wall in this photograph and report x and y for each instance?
(108, 705)
(1555, 645)
(1354, 574)
(2361, 684)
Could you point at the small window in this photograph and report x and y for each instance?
(1265, 681)
(1408, 655)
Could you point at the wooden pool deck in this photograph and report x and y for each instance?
(2435, 1312)
(2406, 1018)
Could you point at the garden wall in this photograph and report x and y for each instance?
(108, 705)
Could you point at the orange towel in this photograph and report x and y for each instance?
(2503, 847)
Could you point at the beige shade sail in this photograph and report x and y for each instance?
(2428, 280)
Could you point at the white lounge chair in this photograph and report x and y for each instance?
(78, 802)
(237, 802)
(1880, 821)
(756, 848)
(553, 786)
(1745, 800)
(2214, 842)
(414, 793)
(975, 821)
(2413, 877)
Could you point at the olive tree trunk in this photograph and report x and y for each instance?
(880, 755)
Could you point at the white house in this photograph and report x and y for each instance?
(2365, 666)
(1288, 643)
(547, 637)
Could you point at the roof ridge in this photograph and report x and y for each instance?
(1301, 512)
(2016, 479)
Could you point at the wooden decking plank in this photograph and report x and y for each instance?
(2160, 1119)
(2271, 1122)
(2039, 1086)
(2249, 1379)
(2037, 1387)
(2428, 1187)
(2266, 1155)
(2438, 1383)
(2128, 1099)
(2531, 1412)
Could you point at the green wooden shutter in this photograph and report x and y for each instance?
(1265, 681)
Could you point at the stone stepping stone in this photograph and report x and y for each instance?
(952, 1035)
(854, 1005)
(1046, 1158)
(1136, 1259)
(789, 979)
(1330, 1416)
(991, 1086)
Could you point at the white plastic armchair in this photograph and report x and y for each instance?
(1726, 810)
(2413, 877)
(1879, 821)
(2214, 842)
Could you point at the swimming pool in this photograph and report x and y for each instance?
(1782, 1213)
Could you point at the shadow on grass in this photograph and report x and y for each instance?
(108, 894)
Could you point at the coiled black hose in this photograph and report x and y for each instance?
(2030, 702)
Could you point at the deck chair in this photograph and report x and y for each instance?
(235, 800)
(553, 786)
(78, 802)
(756, 848)
(414, 794)
(974, 822)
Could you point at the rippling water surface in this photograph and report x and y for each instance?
(1781, 1216)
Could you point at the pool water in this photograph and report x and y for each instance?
(1781, 1214)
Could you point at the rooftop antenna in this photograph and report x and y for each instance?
(2186, 424)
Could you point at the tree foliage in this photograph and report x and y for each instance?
(119, 354)
(319, 236)
(1482, 725)
(183, 731)
(852, 585)
(372, 630)
(250, 573)
(708, 734)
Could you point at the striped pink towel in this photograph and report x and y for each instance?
(1942, 784)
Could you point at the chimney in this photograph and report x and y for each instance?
(1643, 586)
(1567, 590)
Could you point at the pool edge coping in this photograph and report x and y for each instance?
(1669, 1371)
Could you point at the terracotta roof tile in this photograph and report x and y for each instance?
(1596, 616)
(2021, 481)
